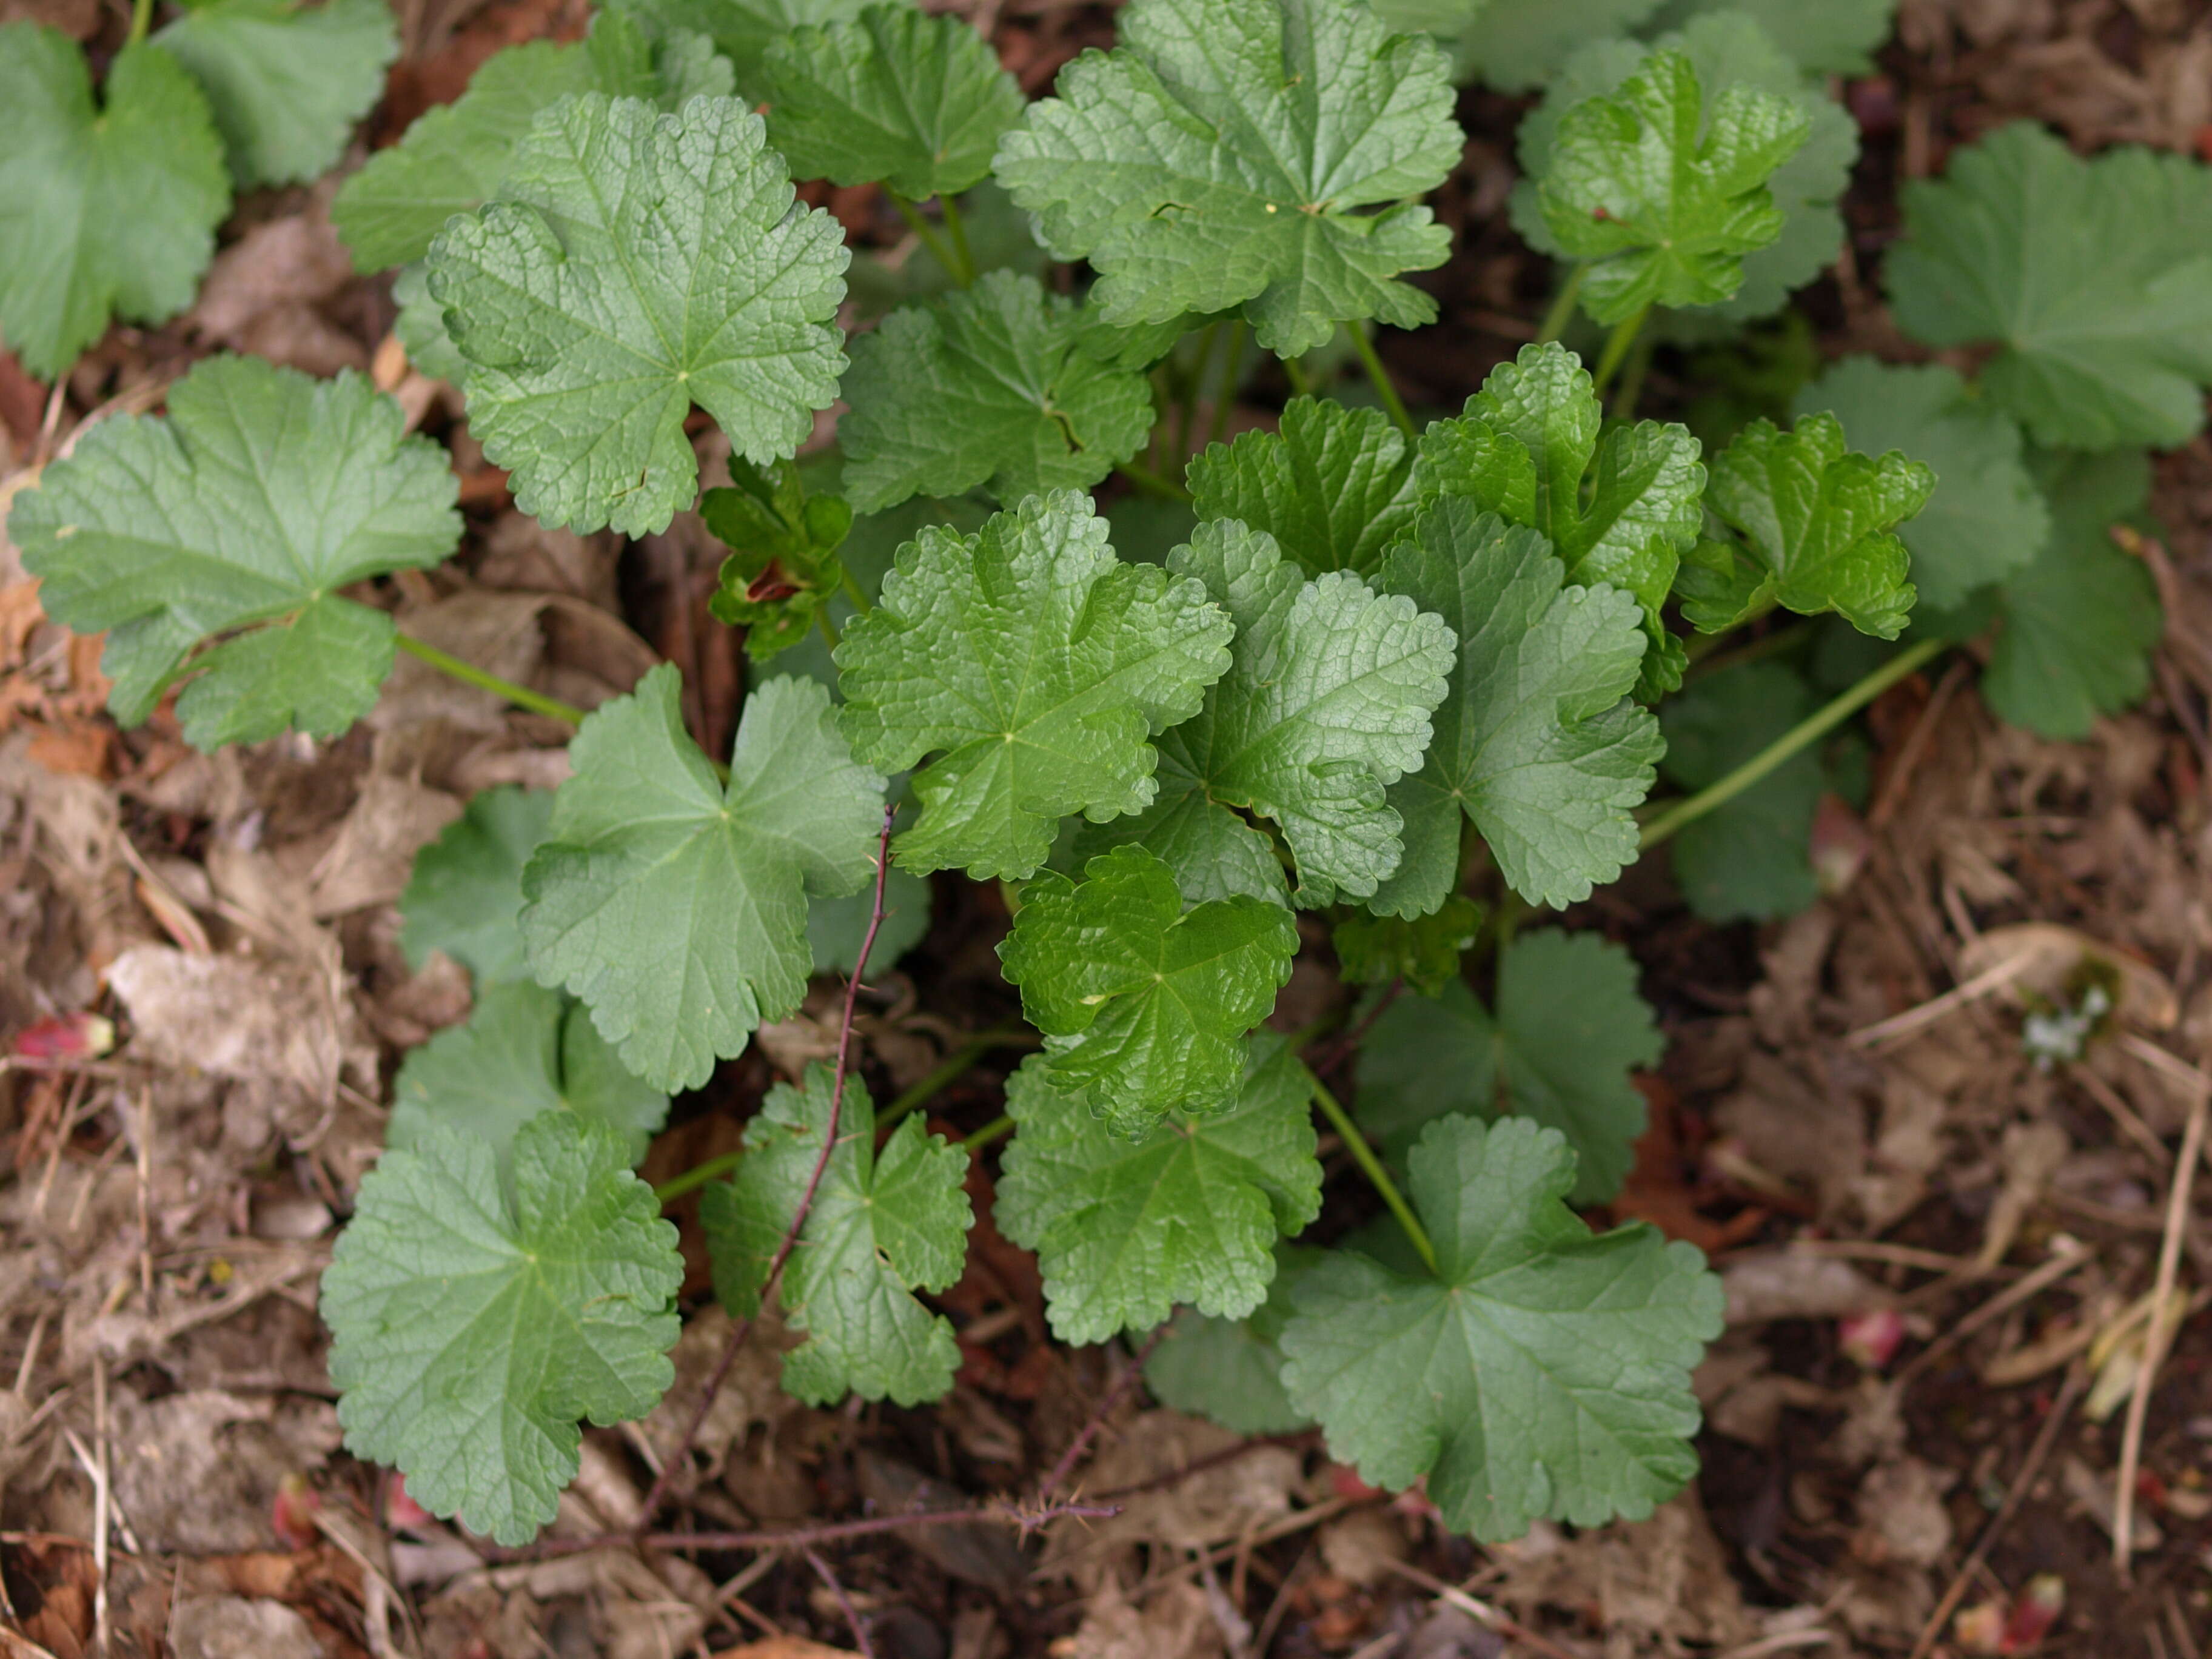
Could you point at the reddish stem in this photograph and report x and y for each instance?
(1089, 1432)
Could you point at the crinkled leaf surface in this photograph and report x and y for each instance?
(106, 208)
(1334, 487)
(1569, 1029)
(1143, 1004)
(1986, 519)
(1230, 1369)
(1125, 1229)
(988, 387)
(1518, 45)
(1220, 156)
(1817, 524)
(466, 891)
(675, 905)
(1423, 951)
(1661, 197)
(1834, 37)
(742, 30)
(2093, 277)
(1035, 665)
(1749, 859)
(897, 96)
(1537, 741)
(1326, 705)
(1541, 1370)
(260, 495)
(882, 1224)
(474, 1322)
(635, 263)
(285, 83)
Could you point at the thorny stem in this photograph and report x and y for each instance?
(1808, 731)
(682, 1452)
(1150, 483)
(930, 240)
(1563, 308)
(1096, 1420)
(1616, 349)
(469, 674)
(1371, 1167)
(1025, 1518)
(956, 227)
(955, 1066)
(1383, 389)
(844, 1604)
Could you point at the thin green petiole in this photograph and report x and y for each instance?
(142, 19)
(1563, 308)
(1218, 427)
(1631, 378)
(853, 591)
(697, 1176)
(1187, 406)
(469, 674)
(997, 1129)
(1616, 347)
(1371, 1167)
(957, 228)
(957, 1065)
(930, 240)
(829, 629)
(1150, 483)
(1294, 371)
(1392, 402)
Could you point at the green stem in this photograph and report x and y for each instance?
(468, 674)
(997, 1129)
(1563, 308)
(956, 227)
(1706, 657)
(1217, 427)
(1391, 401)
(142, 19)
(829, 629)
(1371, 1167)
(1187, 407)
(1616, 347)
(696, 1176)
(930, 240)
(1294, 371)
(854, 592)
(1151, 482)
(957, 1065)
(1808, 731)
(1632, 379)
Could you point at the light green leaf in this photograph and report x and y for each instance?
(1835, 37)
(1518, 45)
(1221, 155)
(1423, 951)
(1142, 1004)
(1125, 1228)
(915, 101)
(1034, 664)
(835, 927)
(882, 1224)
(742, 30)
(676, 905)
(286, 84)
(1751, 858)
(1569, 1029)
(107, 210)
(1334, 487)
(2094, 278)
(421, 326)
(467, 888)
(998, 239)
(1537, 742)
(1230, 1369)
(261, 495)
(474, 1323)
(986, 387)
(634, 265)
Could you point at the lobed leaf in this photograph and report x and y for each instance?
(465, 894)
(742, 30)
(1333, 486)
(1230, 1369)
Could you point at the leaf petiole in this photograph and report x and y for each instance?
(697, 1176)
(1563, 308)
(1392, 403)
(469, 674)
(956, 227)
(956, 267)
(1616, 347)
(142, 19)
(1150, 483)
(997, 1129)
(955, 1066)
(1371, 1167)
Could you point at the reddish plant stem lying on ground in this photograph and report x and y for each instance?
(1089, 1431)
(845, 1604)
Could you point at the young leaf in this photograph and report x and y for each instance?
(675, 905)
(1620, 507)
(882, 1224)
(1035, 665)
(987, 387)
(916, 101)
(1220, 156)
(783, 567)
(1662, 196)
(1142, 1005)
(474, 1323)
(104, 210)
(634, 265)
(1537, 743)
(1816, 523)
(1334, 487)
(2092, 276)
(1326, 705)
(1749, 859)
(285, 85)
(1836, 36)
(261, 495)
(1985, 519)
(525, 1050)
(1541, 1370)
(742, 30)
(1125, 1228)
(466, 891)
(1423, 951)
(1518, 45)
(1569, 1029)
(1230, 1369)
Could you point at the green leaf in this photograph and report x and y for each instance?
(783, 568)
(1661, 196)
(1569, 1028)
(986, 387)
(1816, 523)
(1423, 951)
(835, 927)
(1836, 36)
(634, 265)
(2077, 627)
(525, 1050)
(1230, 1369)
(285, 85)
(918, 102)
(1751, 858)
(1326, 704)
(107, 210)
(998, 239)
(467, 888)
(1034, 664)
(1537, 743)
(1518, 45)
(742, 30)
(676, 905)
(1125, 1228)
(2092, 276)
(474, 1324)
(453, 157)
(1986, 519)
(1541, 1370)
(261, 495)
(1220, 156)
(1619, 506)
(1334, 487)
(421, 326)
(882, 1224)
(1142, 1004)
